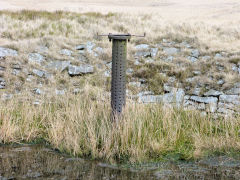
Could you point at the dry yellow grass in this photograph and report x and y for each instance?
(81, 125)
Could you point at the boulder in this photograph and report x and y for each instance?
(80, 70)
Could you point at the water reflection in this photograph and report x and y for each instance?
(37, 162)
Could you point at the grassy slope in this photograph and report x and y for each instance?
(80, 125)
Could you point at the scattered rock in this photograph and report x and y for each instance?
(66, 52)
(35, 58)
(142, 46)
(213, 92)
(79, 70)
(154, 52)
(80, 47)
(59, 92)
(58, 65)
(39, 73)
(2, 83)
(171, 51)
(193, 59)
(169, 59)
(195, 53)
(4, 52)
(90, 46)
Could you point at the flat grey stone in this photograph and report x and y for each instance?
(192, 59)
(206, 58)
(196, 91)
(142, 46)
(4, 52)
(154, 52)
(37, 91)
(206, 100)
(39, 73)
(150, 99)
(59, 92)
(171, 51)
(90, 46)
(220, 82)
(66, 52)
(169, 59)
(149, 60)
(213, 92)
(143, 54)
(195, 53)
(79, 70)
(107, 73)
(136, 84)
(234, 99)
(42, 49)
(129, 71)
(35, 58)
(7, 96)
(80, 47)
(58, 65)
(218, 56)
(233, 91)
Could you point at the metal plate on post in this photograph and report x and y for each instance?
(118, 91)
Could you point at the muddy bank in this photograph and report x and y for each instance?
(38, 162)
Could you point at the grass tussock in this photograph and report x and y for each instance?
(80, 125)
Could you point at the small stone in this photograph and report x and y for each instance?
(39, 73)
(79, 70)
(90, 46)
(137, 63)
(169, 59)
(7, 96)
(218, 56)
(35, 58)
(80, 47)
(196, 91)
(143, 54)
(220, 82)
(42, 49)
(129, 71)
(154, 52)
(107, 74)
(171, 51)
(136, 84)
(149, 60)
(66, 52)
(206, 58)
(59, 92)
(193, 59)
(37, 91)
(195, 53)
(142, 46)
(58, 65)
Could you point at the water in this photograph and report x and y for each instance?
(38, 162)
